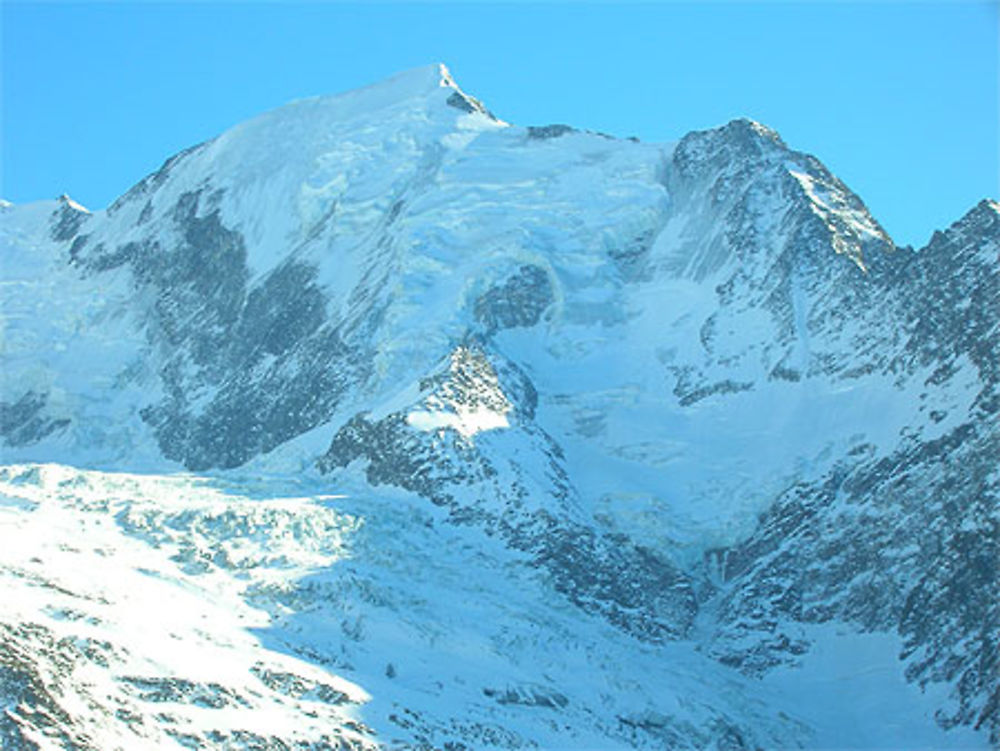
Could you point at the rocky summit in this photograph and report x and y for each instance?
(378, 422)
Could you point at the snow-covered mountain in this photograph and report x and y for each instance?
(379, 422)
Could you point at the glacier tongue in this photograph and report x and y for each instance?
(178, 611)
(627, 444)
(131, 607)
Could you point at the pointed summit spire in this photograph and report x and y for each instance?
(446, 77)
(65, 200)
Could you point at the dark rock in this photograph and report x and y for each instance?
(528, 696)
(24, 421)
(469, 104)
(519, 301)
(543, 132)
(66, 220)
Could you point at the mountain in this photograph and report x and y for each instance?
(379, 422)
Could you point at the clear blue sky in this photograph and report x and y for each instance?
(899, 99)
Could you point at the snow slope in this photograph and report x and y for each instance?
(174, 611)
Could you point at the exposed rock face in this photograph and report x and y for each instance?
(693, 392)
(25, 421)
(493, 482)
(908, 541)
(519, 301)
(216, 334)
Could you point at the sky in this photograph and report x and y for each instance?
(899, 99)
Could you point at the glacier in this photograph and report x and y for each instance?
(380, 422)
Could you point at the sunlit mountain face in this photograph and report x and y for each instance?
(377, 422)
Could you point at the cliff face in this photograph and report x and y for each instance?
(691, 393)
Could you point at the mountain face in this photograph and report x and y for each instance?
(457, 434)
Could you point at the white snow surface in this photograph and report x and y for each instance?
(79, 344)
(200, 608)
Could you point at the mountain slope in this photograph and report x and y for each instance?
(688, 400)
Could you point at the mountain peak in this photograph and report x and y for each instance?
(408, 94)
(983, 217)
(985, 207)
(66, 201)
(977, 231)
(426, 81)
(446, 77)
(423, 80)
(752, 128)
